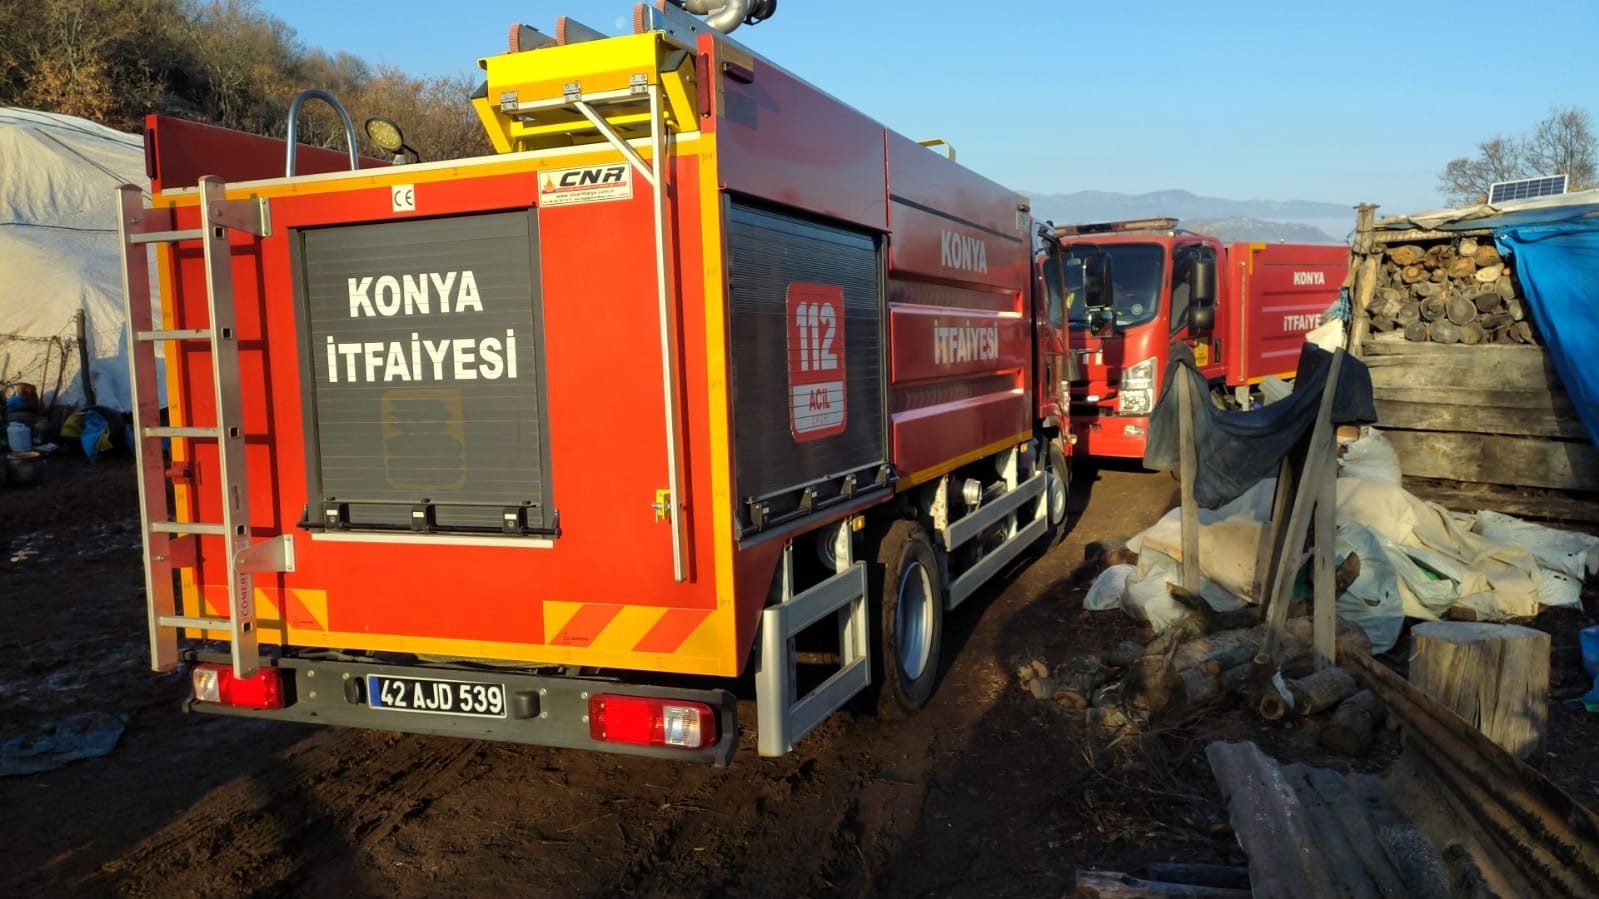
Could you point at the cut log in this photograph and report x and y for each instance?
(1408, 313)
(1485, 256)
(1505, 286)
(1516, 308)
(1321, 691)
(1460, 310)
(1197, 688)
(1428, 289)
(1438, 275)
(1467, 247)
(1389, 297)
(1489, 274)
(1407, 254)
(1272, 705)
(1487, 301)
(1349, 729)
(1116, 885)
(1521, 332)
(1434, 308)
(1462, 267)
(1495, 676)
(1444, 331)
(1472, 334)
(1382, 323)
(1495, 319)
(1410, 274)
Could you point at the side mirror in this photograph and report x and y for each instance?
(1096, 281)
(1202, 287)
(1201, 319)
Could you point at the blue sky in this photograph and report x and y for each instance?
(1359, 101)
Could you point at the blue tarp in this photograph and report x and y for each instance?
(1557, 264)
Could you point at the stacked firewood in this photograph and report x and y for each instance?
(1207, 660)
(1452, 291)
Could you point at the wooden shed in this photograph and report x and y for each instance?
(1465, 390)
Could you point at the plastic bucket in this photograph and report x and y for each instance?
(19, 437)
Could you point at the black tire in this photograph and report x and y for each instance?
(910, 620)
(1057, 493)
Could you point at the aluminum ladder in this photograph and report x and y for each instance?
(171, 545)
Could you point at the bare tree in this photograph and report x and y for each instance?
(1562, 144)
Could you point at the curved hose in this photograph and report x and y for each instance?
(723, 15)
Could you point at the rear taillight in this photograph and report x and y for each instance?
(216, 683)
(643, 721)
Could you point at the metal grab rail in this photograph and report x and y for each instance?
(294, 125)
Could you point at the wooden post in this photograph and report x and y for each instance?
(1495, 676)
(1320, 462)
(1324, 612)
(1363, 265)
(1271, 536)
(1189, 464)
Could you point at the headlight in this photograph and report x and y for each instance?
(1138, 388)
(1139, 375)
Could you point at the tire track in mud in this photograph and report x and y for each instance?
(319, 805)
(865, 807)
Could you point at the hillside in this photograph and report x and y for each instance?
(1300, 221)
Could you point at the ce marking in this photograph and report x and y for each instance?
(403, 197)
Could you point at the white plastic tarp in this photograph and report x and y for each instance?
(59, 254)
(1417, 560)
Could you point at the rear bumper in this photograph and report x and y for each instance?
(1111, 436)
(544, 710)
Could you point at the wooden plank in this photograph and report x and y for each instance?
(1488, 459)
(1286, 860)
(1189, 463)
(1495, 351)
(1473, 419)
(1319, 464)
(1324, 613)
(1548, 838)
(1093, 884)
(1547, 402)
(1410, 234)
(1489, 372)
(1573, 507)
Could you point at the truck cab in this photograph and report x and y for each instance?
(1242, 308)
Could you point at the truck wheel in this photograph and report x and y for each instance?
(1057, 490)
(912, 619)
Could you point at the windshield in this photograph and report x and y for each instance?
(1137, 274)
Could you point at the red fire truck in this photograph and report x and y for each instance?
(1243, 307)
(701, 374)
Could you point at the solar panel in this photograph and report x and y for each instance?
(1527, 188)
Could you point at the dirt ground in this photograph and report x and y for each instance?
(988, 792)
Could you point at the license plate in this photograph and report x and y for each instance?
(435, 697)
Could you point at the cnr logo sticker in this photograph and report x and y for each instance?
(590, 184)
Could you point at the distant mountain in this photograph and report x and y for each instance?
(1257, 231)
(1299, 221)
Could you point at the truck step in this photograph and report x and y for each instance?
(174, 334)
(180, 431)
(188, 527)
(194, 621)
(166, 236)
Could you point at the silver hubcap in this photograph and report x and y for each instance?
(913, 620)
